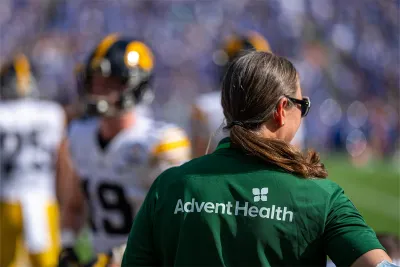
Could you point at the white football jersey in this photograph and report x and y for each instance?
(207, 119)
(116, 179)
(30, 135)
(299, 138)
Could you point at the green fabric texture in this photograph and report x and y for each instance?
(232, 209)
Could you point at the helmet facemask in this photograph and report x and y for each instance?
(117, 100)
(116, 81)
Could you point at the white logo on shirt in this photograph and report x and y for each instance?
(237, 208)
(260, 194)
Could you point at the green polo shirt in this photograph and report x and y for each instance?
(232, 209)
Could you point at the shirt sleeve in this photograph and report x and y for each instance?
(347, 236)
(140, 249)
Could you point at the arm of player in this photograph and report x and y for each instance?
(172, 149)
(71, 205)
(199, 132)
(69, 194)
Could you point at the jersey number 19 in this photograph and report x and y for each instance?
(112, 199)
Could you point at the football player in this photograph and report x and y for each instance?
(30, 135)
(207, 118)
(118, 152)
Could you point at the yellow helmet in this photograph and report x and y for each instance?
(128, 59)
(236, 44)
(17, 79)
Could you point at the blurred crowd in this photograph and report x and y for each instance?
(347, 54)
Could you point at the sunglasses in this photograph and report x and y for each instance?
(305, 104)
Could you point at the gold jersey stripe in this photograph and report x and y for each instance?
(163, 147)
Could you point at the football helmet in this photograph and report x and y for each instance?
(234, 45)
(130, 61)
(17, 79)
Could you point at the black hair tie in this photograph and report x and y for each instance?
(235, 123)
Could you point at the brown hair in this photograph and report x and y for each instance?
(251, 90)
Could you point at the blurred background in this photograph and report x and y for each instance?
(346, 51)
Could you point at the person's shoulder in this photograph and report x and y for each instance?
(35, 111)
(326, 185)
(199, 163)
(321, 191)
(206, 98)
(182, 173)
(167, 141)
(200, 107)
(161, 126)
(51, 110)
(47, 104)
(167, 179)
(203, 166)
(13, 107)
(38, 106)
(164, 133)
(207, 102)
(211, 99)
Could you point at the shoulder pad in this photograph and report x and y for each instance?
(169, 138)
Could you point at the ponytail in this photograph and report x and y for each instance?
(279, 153)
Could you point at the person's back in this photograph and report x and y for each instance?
(228, 209)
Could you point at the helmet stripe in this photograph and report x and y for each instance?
(103, 47)
(259, 42)
(23, 74)
(233, 46)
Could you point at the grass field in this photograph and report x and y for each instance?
(374, 190)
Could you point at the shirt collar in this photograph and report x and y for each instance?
(224, 143)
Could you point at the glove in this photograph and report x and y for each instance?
(68, 258)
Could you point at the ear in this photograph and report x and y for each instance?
(280, 113)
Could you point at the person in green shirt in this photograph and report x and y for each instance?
(256, 200)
